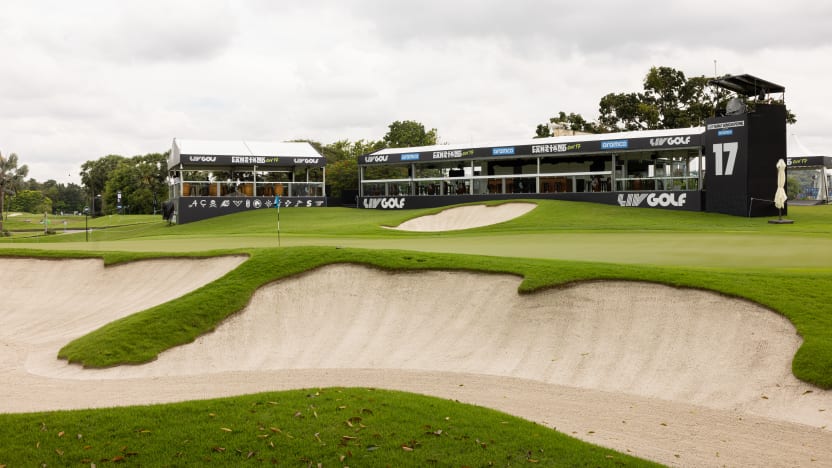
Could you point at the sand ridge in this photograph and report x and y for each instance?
(673, 375)
(466, 217)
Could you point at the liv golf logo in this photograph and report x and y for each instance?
(384, 203)
(653, 200)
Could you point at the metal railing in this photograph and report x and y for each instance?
(249, 189)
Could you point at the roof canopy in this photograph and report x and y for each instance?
(243, 153)
(245, 148)
(747, 85)
(647, 140)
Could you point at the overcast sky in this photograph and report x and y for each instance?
(82, 79)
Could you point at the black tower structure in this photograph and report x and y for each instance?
(742, 148)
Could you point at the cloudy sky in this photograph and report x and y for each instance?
(85, 78)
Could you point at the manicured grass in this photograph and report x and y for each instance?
(556, 230)
(549, 216)
(22, 222)
(315, 427)
(785, 268)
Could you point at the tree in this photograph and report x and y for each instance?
(409, 133)
(140, 180)
(66, 198)
(572, 122)
(10, 176)
(342, 163)
(31, 201)
(94, 176)
(669, 100)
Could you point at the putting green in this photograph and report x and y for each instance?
(724, 250)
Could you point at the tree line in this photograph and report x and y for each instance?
(669, 100)
(137, 185)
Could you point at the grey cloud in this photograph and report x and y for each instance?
(598, 26)
(176, 31)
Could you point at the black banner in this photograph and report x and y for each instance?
(683, 200)
(809, 161)
(190, 209)
(544, 149)
(265, 161)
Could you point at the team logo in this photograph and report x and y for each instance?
(670, 141)
(202, 158)
(376, 159)
(653, 199)
(384, 203)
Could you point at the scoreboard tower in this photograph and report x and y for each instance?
(742, 148)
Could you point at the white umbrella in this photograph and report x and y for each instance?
(780, 196)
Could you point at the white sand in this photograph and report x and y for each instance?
(466, 217)
(682, 377)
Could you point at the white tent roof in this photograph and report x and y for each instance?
(245, 148)
(796, 149)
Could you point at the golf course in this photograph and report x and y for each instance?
(537, 332)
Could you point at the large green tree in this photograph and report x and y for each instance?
(669, 99)
(342, 163)
(402, 134)
(140, 181)
(31, 201)
(10, 178)
(94, 176)
(66, 198)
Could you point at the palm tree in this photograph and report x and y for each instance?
(10, 176)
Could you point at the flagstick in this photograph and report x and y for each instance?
(277, 205)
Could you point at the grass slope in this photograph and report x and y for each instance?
(317, 427)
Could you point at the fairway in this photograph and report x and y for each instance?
(554, 230)
(659, 371)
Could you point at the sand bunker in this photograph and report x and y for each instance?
(678, 376)
(466, 217)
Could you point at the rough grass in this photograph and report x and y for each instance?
(316, 427)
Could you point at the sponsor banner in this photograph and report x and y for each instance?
(653, 199)
(670, 141)
(387, 203)
(722, 125)
(543, 149)
(682, 200)
(191, 209)
(452, 154)
(375, 158)
(810, 161)
(556, 148)
(615, 144)
(285, 161)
